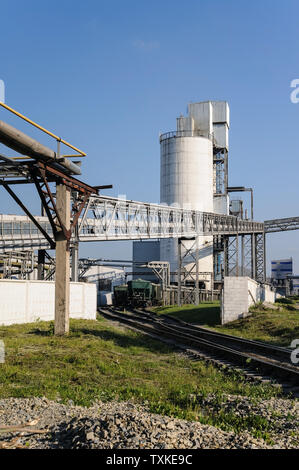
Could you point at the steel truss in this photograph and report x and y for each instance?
(220, 170)
(188, 273)
(105, 218)
(117, 219)
(19, 263)
(259, 255)
(246, 256)
(247, 261)
(42, 174)
(281, 225)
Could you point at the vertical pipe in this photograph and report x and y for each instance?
(265, 259)
(197, 272)
(75, 247)
(242, 255)
(225, 171)
(179, 273)
(40, 264)
(75, 257)
(31, 274)
(253, 256)
(75, 254)
(237, 255)
(225, 255)
(62, 278)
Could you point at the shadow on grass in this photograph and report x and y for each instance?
(205, 315)
(126, 341)
(40, 332)
(123, 340)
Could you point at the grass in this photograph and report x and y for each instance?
(271, 326)
(277, 327)
(98, 361)
(204, 314)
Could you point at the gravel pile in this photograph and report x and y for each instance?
(281, 415)
(44, 424)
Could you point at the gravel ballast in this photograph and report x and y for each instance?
(43, 424)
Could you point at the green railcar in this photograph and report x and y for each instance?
(140, 292)
(137, 293)
(121, 295)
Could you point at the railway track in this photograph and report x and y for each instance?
(259, 361)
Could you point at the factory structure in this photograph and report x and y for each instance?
(193, 243)
(194, 176)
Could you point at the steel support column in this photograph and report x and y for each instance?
(260, 257)
(232, 256)
(188, 270)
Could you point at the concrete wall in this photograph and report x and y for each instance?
(239, 293)
(28, 301)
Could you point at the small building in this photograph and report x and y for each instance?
(280, 269)
(281, 272)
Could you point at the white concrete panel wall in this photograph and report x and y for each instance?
(29, 301)
(259, 293)
(239, 293)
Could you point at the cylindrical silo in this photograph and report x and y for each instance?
(186, 180)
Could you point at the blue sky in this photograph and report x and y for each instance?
(108, 76)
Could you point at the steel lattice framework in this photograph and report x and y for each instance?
(281, 225)
(116, 219)
(107, 218)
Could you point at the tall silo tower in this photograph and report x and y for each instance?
(189, 176)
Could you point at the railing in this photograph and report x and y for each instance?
(186, 133)
(107, 218)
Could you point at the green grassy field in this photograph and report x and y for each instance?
(100, 361)
(204, 314)
(272, 326)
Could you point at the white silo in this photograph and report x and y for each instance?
(186, 178)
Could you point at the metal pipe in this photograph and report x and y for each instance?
(41, 128)
(25, 145)
(251, 202)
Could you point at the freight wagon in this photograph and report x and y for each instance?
(137, 293)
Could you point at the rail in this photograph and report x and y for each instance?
(254, 357)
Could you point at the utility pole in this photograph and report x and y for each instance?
(62, 278)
